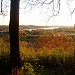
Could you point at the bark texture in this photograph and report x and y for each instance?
(14, 34)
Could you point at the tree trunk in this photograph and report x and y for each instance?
(14, 34)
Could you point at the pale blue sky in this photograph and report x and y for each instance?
(36, 17)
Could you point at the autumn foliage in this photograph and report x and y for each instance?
(42, 52)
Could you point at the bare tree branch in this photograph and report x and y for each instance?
(72, 11)
(52, 7)
(49, 7)
(70, 3)
(55, 10)
(1, 5)
(4, 4)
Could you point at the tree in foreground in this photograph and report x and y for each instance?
(14, 34)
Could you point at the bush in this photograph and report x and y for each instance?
(28, 69)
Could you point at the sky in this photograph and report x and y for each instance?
(39, 16)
